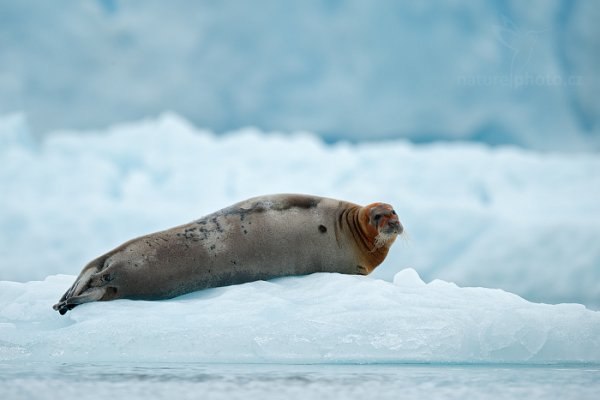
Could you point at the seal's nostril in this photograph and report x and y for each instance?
(400, 228)
(395, 224)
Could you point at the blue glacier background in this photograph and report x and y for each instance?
(498, 72)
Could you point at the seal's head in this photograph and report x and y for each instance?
(381, 224)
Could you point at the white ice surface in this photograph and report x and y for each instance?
(312, 319)
(522, 221)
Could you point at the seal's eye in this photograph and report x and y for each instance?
(377, 217)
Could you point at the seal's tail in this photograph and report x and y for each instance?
(82, 291)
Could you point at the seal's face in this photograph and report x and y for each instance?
(383, 223)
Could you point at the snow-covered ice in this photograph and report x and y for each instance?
(320, 318)
(522, 221)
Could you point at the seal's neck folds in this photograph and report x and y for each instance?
(374, 245)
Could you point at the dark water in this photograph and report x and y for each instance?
(273, 381)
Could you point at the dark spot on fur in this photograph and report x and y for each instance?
(322, 228)
(243, 212)
(234, 262)
(212, 247)
(304, 202)
(110, 293)
(258, 207)
(245, 232)
(218, 225)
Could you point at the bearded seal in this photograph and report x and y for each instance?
(257, 239)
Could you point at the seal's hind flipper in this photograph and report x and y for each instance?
(92, 294)
(82, 290)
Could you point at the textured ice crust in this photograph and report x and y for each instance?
(320, 318)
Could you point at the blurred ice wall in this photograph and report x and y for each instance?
(518, 72)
